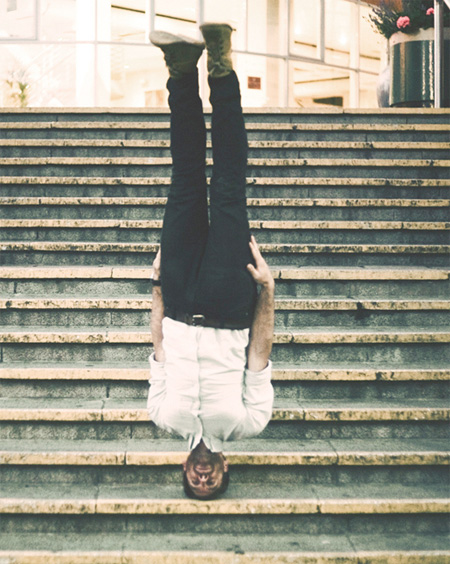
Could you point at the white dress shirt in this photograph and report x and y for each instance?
(203, 390)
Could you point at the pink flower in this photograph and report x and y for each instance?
(430, 12)
(403, 22)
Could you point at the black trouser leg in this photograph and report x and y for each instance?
(225, 289)
(185, 228)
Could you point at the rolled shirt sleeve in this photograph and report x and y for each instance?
(157, 392)
(257, 400)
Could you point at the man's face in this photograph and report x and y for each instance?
(204, 471)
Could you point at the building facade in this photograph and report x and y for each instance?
(96, 53)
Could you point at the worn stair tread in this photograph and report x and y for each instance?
(258, 126)
(123, 410)
(71, 548)
(281, 372)
(273, 499)
(353, 452)
(165, 143)
(282, 273)
(153, 161)
(254, 224)
(251, 202)
(324, 335)
(224, 549)
(291, 248)
(144, 302)
(257, 181)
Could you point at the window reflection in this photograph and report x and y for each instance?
(17, 19)
(340, 30)
(97, 52)
(304, 24)
(128, 21)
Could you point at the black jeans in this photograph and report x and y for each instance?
(203, 261)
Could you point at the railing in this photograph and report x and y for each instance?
(438, 49)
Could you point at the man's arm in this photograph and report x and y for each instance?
(157, 312)
(261, 334)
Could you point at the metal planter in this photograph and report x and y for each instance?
(412, 69)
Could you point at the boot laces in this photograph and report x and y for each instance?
(217, 48)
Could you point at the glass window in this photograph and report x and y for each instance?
(368, 90)
(177, 17)
(185, 10)
(128, 21)
(38, 75)
(262, 80)
(340, 31)
(266, 26)
(137, 76)
(316, 85)
(304, 32)
(371, 43)
(173, 25)
(17, 19)
(58, 19)
(234, 12)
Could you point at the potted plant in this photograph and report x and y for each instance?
(409, 28)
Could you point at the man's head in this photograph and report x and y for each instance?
(205, 473)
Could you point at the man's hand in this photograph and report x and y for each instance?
(261, 333)
(261, 273)
(157, 311)
(157, 265)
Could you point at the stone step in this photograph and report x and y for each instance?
(139, 372)
(269, 232)
(119, 419)
(263, 115)
(243, 500)
(141, 548)
(135, 311)
(116, 281)
(294, 122)
(21, 148)
(322, 462)
(392, 346)
(273, 187)
(258, 225)
(325, 382)
(255, 453)
(384, 120)
(165, 144)
(133, 254)
(284, 167)
(259, 209)
(144, 302)
(119, 272)
(285, 410)
(133, 335)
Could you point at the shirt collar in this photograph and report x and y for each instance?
(212, 443)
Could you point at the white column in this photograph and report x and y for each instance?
(85, 53)
(103, 65)
(354, 32)
(93, 66)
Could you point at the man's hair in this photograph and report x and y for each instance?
(220, 490)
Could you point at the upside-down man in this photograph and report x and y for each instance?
(212, 328)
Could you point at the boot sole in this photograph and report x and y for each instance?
(213, 26)
(164, 38)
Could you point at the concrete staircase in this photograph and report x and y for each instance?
(351, 210)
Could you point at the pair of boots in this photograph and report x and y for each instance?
(182, 53)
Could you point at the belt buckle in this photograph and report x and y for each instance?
(198, 319)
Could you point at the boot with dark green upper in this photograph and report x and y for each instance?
(180, 53)
(217, 37)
